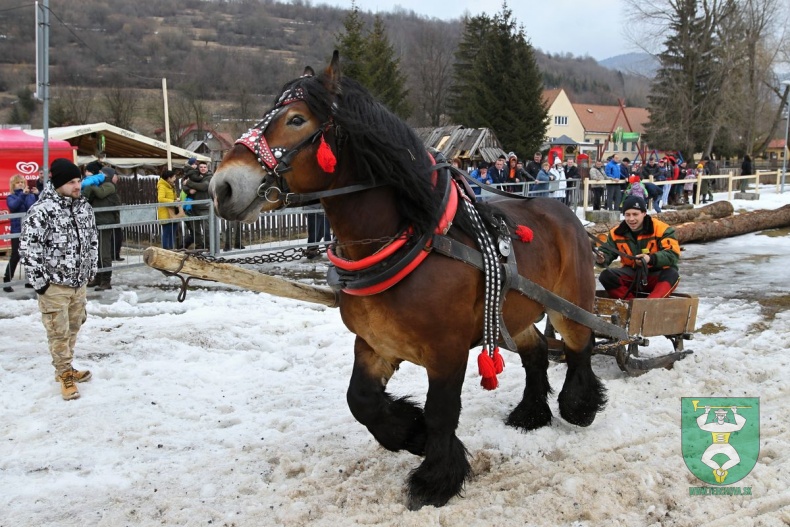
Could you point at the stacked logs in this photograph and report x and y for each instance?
(715, 221)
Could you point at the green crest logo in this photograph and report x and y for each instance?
(720, 437)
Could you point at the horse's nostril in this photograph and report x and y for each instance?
(220, 190)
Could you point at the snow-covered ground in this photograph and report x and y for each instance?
(229, 409)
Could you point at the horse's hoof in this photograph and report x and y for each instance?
(528, 419)
(577, 411)
(582, 419)
(416, 503)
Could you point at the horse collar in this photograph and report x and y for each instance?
(395, 261)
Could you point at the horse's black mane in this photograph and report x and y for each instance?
(383, 148)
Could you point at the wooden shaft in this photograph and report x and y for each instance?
(165, 260)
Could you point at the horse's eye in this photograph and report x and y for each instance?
(296, 120)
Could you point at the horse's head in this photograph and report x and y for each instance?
(326, 135)
(287, 151)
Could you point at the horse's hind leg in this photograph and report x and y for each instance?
(398, 424)
(445, 467)
(583, 395)
(533, 411)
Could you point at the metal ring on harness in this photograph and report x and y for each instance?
(266, 195)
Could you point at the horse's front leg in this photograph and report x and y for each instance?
(533, 411)
(583, 395)
(445, 467)
(398, 424)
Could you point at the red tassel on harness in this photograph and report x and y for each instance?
(499, 362)
(326, 158)
(524, 233)
(487, 371)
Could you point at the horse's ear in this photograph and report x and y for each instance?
(332, 73)
(308, 72)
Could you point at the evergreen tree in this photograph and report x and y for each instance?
(370, 60)
(470, 94)
(498, 84)
(674, 93)
(686, 97)
(351, 45)
(385, 81)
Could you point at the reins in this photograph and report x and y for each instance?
(484, 186)
(641, 270)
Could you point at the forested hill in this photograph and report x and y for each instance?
(239, 52)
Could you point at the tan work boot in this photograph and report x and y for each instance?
(79, 376)
(67, 387)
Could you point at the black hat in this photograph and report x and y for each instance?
(634, 202)
(94, 167)
(62, 171)
(109, 172)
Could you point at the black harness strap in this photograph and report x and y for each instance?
(567, 309)
(293, 199)
(485, 186)
(510, 269)
(458, 251)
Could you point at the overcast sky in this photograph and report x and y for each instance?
(556, 26)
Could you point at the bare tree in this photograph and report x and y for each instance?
(430, 59)
(71, 106)
(762, 45)
(194, 95)
(122, 105)
(727, 62)
(726, 51)
(179, 112)
(245, 110)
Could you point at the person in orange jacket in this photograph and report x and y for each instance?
(651, 264)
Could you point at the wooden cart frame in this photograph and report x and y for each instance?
(673, 317)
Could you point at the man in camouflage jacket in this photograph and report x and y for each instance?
(59, 249)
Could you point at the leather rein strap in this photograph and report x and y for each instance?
(458, 251)
(484, 186)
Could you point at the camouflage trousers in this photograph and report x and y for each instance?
(63, 313)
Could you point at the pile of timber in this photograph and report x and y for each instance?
(715, 221)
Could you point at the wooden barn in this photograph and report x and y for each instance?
(470, 145)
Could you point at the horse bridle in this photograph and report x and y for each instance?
(276, 161)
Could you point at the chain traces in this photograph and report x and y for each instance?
(290, 254)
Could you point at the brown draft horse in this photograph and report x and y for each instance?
(382, 187)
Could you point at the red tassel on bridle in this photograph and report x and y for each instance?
(326, 158)
(524, 233)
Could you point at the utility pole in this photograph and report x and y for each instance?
(42, 74)
(786, 150)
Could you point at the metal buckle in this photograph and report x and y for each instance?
(268, 198)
